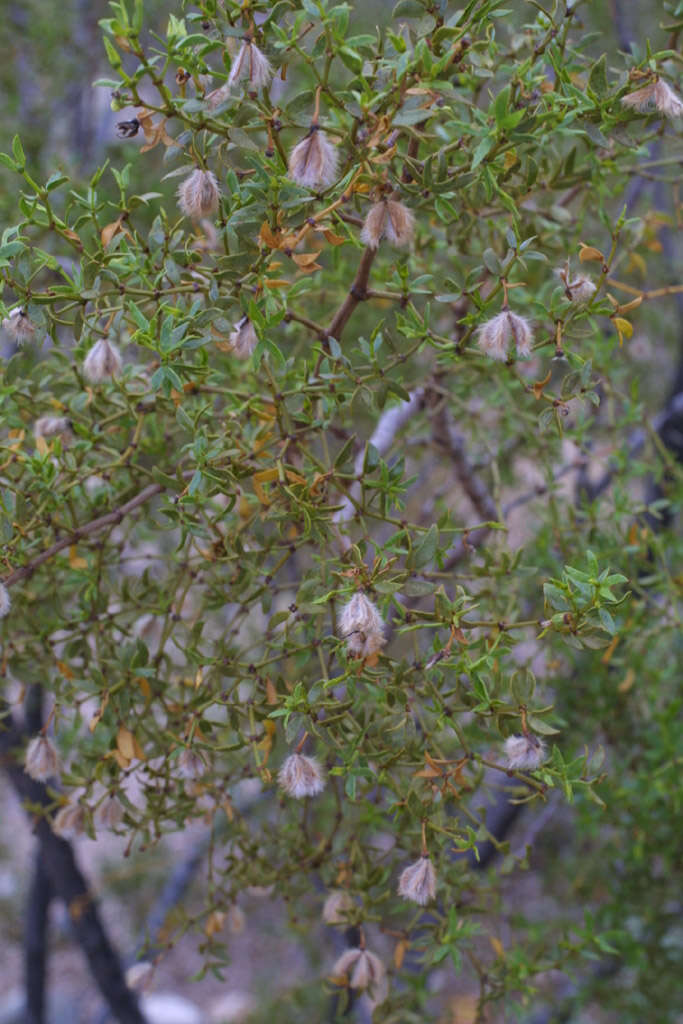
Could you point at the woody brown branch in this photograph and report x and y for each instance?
(67, 883)
(108, 519)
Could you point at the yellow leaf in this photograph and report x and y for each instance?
(75, 561)
(42, 447)
(294, 478)
(215, 923)
(271, 694)
(144, 686)
(510, 159)
(463, 1009)
(399, 953)
(589, 252)
(628, 306)
(265, 476)
(636, 261)
(276, 282)
(334, 239)
(497, 946)
(92, 725)
(624, 327)
(540, 384)
(108, 232)
(16, 434)
(304, 259)
(121, 761)
(65, 670)
(72, 236)
(125, 743)
(627, 682)
(267, 237)
(609, 650)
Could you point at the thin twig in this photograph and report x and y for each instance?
(108, 519)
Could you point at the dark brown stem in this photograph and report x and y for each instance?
(68, 884)
(357, 293)
(35, 941)
(108, 519)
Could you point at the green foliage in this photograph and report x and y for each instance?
(181, 552)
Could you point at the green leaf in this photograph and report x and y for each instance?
(18, 151)
(482, 150)
(597, 79)
(424, 553)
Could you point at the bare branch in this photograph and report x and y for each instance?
(389, 424)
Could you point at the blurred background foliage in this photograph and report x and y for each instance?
(606, 905)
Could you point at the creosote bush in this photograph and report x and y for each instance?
(266, 427)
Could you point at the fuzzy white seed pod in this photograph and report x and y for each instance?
(218, 96)
(364, 971)
(361, 625)
(191, 765)
(657, 95)
(109, 813)
(496, 336)
(19, 326)
(139, 976)
(418, 881)
(526, 752)
(52, 426)
(581, 290)
(42, 760)
(301, 776)
(243, 339)
(69, 821)
(337, 907)
(667, 101)
(252, 66)
(391, 220)
(102, 361)
(198, 194)
(313, 161)
(5, 601)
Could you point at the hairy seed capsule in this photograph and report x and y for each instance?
(497, 335)
(243, 339)
(42, 760)
(526, 752)
(418, 881)
(391, 220)
(109, 813)
(301, 776)
(252, 66)
(198, 194)
(19, 326)
(313, 161)
(364, 971)
(337, 907)
(102, 361)
(657, 95)
(361, 625)
(69, 821)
